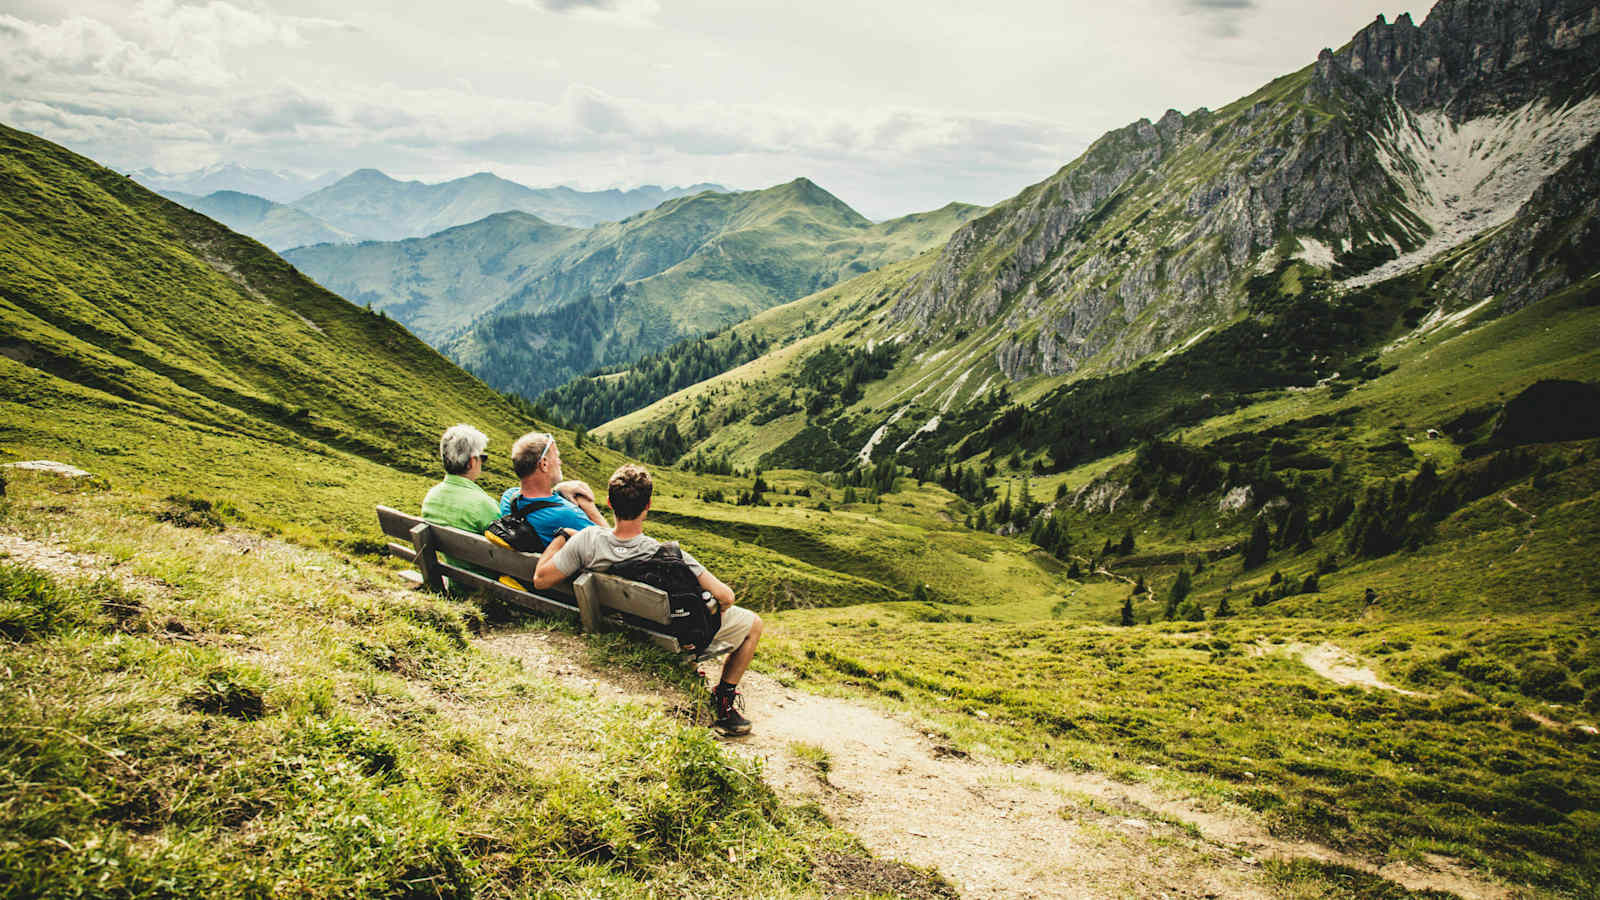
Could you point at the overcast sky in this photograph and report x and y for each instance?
(893, 106)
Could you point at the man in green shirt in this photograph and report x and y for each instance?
(457, 501)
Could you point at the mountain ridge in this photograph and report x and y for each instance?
(376, 206)
(1164, 235)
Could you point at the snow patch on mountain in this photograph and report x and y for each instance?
(1464, 179)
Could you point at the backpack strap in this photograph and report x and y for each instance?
(530, 506)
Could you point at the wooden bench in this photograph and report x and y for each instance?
(595, 598)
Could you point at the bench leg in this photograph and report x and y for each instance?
(427, 561)
(588, 603)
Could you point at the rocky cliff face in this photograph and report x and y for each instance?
(1478, 57)
(1371, 153)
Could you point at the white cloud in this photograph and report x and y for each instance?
(160, 43)
(621, 12)
(553, 93)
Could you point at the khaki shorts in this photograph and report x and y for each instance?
(736, 624)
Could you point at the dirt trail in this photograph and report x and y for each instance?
(1335, 664)
(992, 830)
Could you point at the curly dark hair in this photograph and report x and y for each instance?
(629, 491)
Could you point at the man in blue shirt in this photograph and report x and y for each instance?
(558, 504)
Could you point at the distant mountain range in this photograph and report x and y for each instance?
(526, 305)
(274, 224)
(369, 205)
(278, 186)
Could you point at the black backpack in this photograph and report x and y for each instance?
(513, 531)
(693, 624)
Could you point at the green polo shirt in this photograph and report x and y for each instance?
(458, 502)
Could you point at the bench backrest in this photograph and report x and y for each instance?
(595, 589)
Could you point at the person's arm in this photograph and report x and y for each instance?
(582, 497)
(593, 512)
(558, 561)
(722, 593)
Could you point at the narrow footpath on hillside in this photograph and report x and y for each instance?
(992, 830)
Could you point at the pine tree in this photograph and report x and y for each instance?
(1126, 546)
(1127, 611)
(1180, 587)
(1139, 586)
(1255, 553)
(1074, 571)
(1223, 610)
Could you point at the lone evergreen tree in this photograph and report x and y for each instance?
(1223, 609)
(1126, 547)
(1127, 611)
(1255, 553)
(1180, 587)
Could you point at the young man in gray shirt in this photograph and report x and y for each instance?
(599, 549)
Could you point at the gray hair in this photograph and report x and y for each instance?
(458, 445)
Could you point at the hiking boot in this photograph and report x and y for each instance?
(726, 705)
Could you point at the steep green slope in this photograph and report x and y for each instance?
(274, 224)
(133, 305)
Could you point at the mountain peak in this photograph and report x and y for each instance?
(367, 175)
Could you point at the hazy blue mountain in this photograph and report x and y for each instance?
(687, 266)
(369, 203)
(277, 186)
(274, 224)
(439, 284)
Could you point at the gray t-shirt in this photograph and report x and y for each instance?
(597, 549)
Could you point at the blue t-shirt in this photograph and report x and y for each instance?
(546, 522)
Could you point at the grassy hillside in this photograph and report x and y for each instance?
(126, 304)
(227, 715)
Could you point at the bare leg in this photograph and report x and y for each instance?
(739, 660)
